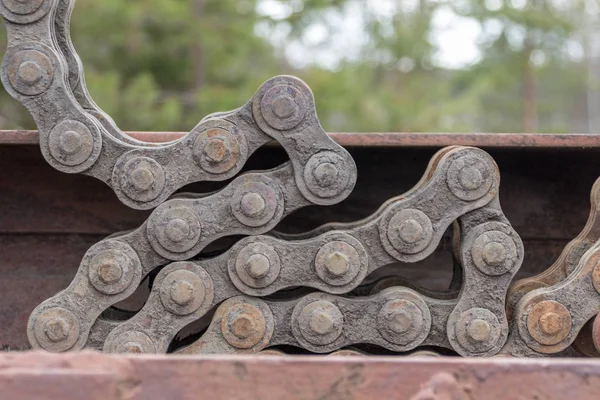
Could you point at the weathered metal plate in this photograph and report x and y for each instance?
(94, 376)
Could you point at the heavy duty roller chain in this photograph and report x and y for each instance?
(461, 184)
(42, 71)
(270, 289)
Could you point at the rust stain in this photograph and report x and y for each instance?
(91, 375)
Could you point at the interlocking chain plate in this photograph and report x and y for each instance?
(43, 72)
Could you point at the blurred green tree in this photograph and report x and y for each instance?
(526, 80)
(164, 64)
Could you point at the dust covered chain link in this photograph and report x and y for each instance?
(547, 320)
(551, 309)
(179, 229)
(336, 262)
(42, 71)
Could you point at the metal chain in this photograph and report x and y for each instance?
(43, 72)
(336, 262)
(179, 229)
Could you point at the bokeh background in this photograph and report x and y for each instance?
(373, 65)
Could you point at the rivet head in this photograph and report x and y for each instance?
(243, 325)
(596, 332)
(177, 230)
(182, 292)
(400, 321)
(596, 278)
(252, 204)
(111, 266)
(71, 143)
(140, 178)
(215, 150)
(410, 231)
(341, 262)
(174, 230)
(479, 330)
(404, 320)
(337, 264)
(494, 252)
(471, 176)
(185, 289)
(320, 322)
(256, 200)
(133, 348)
(326, 174)
(219, 149)
(23, 7)
(110, 272)
(257, 266)
(130, 342)
(56, 329)
(549, 323)
(405, 232)
(283, 106)
(30, 72)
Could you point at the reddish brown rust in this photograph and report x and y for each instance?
(387, 139)
(95, 376)
(442, 386)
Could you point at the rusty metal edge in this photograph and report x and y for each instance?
(27, 375)
(385, 139)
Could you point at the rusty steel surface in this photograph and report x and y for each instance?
(317, 291)
(525, 141)
(30, 376)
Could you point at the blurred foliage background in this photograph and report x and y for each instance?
(373, 65)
